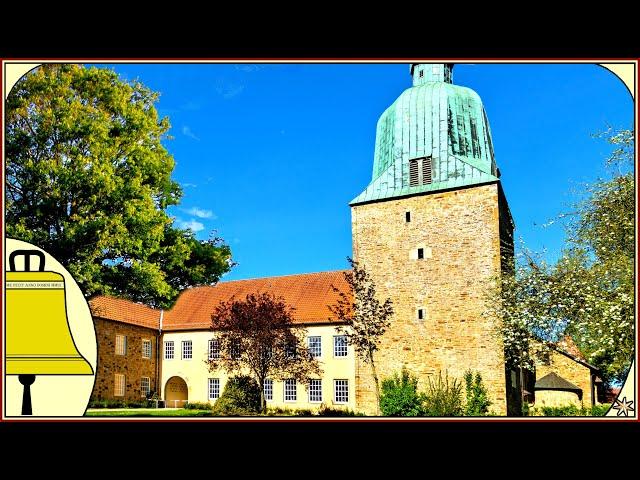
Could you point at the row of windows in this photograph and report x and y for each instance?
(340, 348)
(120, 385)
(290, 390)
(121, 346)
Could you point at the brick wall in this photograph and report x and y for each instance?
(132, 365)
(460, 234)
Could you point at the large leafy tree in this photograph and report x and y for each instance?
(366, 319)
(88, 179)
(588, 293)
(257, 336)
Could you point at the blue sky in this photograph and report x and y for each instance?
(269, 156)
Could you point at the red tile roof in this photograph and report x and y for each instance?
(308, 293)
(567, 345)
(124, 311)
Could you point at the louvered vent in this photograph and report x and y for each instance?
(426, 171)
(414, 178)
(420, 171)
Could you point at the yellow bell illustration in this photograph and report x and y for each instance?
(38, 339)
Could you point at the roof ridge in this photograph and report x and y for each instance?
(277, 276)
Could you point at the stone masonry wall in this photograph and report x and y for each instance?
(571, 371)
(460, 234)
(132, 365)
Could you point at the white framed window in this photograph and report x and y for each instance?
(340, 346)
(291, 350)
(146, 348)
(235, 350)
(168, 350)
(118, 389)
(315, 390)
(214, 388)
(268, 389)
(290, 390)
(214, 349)
(187, 350)
(341, 391)
(121, 345)
(145, 386)
(315, 346)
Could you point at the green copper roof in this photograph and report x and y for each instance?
(431, 119)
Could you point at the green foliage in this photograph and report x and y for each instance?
(198, 406)
(588, 294)
(571, 411)
(160, 412)
(111, 403)
(365, 318)
(400, 397)
(89, 180)
(443, 398)
(325, 411)
(258, 335)
(241, 396)
(477, 400)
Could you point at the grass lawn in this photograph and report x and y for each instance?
(144, 412)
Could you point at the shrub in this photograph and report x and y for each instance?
(443, 399)
(241, 396)
(573, 411)
(198, 406)
(337, 412)
(477, 403)
(400, 397)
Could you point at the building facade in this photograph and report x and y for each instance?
(128, 357)
(432, 228)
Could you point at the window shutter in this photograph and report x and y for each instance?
(426, 170)
(413, 173)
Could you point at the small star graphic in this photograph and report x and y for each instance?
(623, 406)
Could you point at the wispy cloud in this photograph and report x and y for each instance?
(187, 184)
(201, 213)
(249, 67)
(186, 131)
(228, 89)
(190, 224)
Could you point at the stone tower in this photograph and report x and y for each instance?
(431, 228)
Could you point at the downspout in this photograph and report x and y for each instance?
(159, 356)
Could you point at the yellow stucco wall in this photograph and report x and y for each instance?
(195, 372)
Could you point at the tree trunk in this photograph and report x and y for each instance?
(375, 380)
(263, 402)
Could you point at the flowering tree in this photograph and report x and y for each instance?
(589, 292)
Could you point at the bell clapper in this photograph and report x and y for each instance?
(26, 380)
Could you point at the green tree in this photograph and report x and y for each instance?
(589, 292)
(443, 398)
(477, 399)
(89, 180)
(365, 317)
(241, 396)
(400, 396)
(257, 335)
